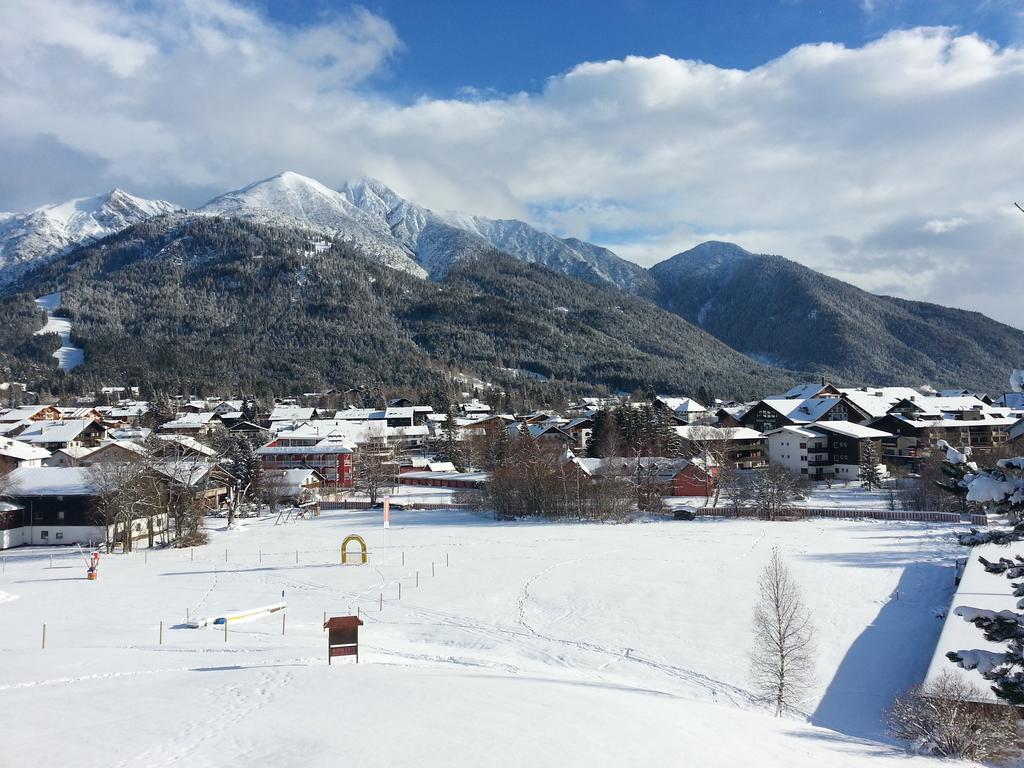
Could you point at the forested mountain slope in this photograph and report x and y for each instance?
(783, 313)
(182, 301)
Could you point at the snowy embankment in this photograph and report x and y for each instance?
(539, 644)
(68, 356)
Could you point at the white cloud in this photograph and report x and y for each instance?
(891, 165)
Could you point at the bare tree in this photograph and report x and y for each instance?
(711, 443)
(646, 477)
(782, 662)
(945, 718)
(374, 471)
(172, 464)
(125, 492)
(773, 489)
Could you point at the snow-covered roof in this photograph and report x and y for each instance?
(682, 404)
(538, 430)
(986, 420)
(126, 445)
(420, 430)
(705, 432)
(577, 422)
(849, 429)
(876, 401)
(291, 481)
(663, 469)
(398, 413)
(329, 444)
(78, 412)
(190, 421)
(353, 431)
(938, 405)
(187, 472)
(52, 481)
(358, 414)
(803, 391)
(189, 442)
(290, 413)
(21, 413)
(55, 431)
(13, 428)
(74, 451)
(467, 477)
(812, 409)
(19, 451)
(129, 411)
(793, 430)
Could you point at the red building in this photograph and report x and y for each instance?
(301, 448)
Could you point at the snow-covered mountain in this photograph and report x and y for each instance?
(41, 234)
(397, 232)
(292, 200)
(440, 239)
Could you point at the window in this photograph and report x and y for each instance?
(60, 535)
(60, 516)
(44, 534)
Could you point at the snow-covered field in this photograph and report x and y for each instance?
(539, 644)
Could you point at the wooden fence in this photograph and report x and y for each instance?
(359, 504)
(835, 513)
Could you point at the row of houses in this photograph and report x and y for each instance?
(817, 430)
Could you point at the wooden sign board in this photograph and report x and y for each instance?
(343, 636)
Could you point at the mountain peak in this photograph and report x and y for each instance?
(43, 233)
(711, 254)
(716, 249)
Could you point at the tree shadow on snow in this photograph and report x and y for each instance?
(889, 656)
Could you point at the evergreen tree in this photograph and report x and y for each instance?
(870, 474)
(498, 449)
(245, 472)
(999, 490)
(449, 447)
(606, 437)
(1005, 669)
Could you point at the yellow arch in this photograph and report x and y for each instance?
(344, 548)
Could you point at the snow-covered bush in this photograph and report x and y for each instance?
(943, 718)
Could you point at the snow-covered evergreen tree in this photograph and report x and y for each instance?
(999, 490)
(870, 473)
(1005, 669)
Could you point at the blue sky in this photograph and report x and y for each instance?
(517, 46)
(879, 141)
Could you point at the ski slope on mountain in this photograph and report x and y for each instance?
(512, 644)
(68, 355)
